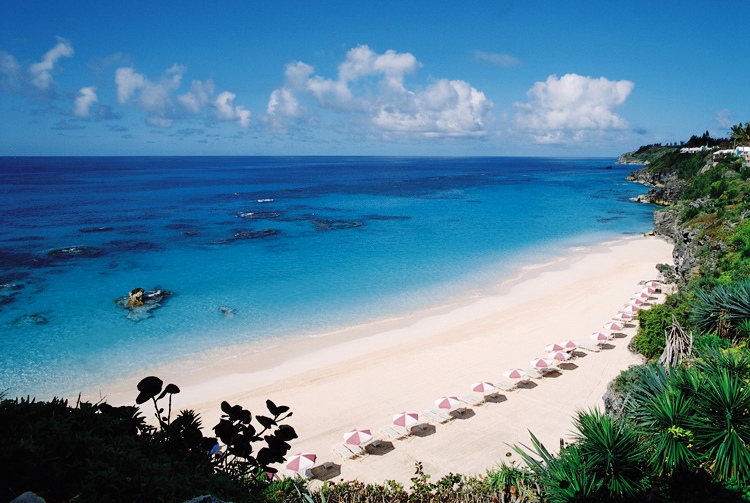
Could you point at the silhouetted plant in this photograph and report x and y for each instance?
(236, 431)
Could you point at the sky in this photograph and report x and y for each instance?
(445, 78)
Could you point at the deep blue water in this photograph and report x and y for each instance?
(294, 246)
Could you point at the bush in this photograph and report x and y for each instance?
(650, 339)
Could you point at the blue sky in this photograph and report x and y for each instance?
(545, 78)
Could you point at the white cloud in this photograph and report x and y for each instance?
(86, 98)
(496, 59)
(559, 108)
(372, 86)
(227, 111)
(40, 73)
(10, 72)
(159, 121)
(198, 97)
(128, 82)
(160, 99)
(446, 108)
(723, 119)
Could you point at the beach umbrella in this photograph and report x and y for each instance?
(630, 309)
(559, 356)
(447, 402)
(554, 347)
(635, 301)
(357, 437)
(613, 326)
(301, 462)
(541, 363)
(649, 290)
(406, 419)
(515, 374)
(569, 345)
(653, 284)
(622, 317)
(642, 296)
(483, 387)
(599, 337)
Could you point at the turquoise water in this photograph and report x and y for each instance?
(292, 246)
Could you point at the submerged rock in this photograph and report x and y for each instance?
(95, 229)
(140, 302)
(75, 252)
(243, 235)
(28, 320)
(335, 225)
(259, 215)
(228, 312)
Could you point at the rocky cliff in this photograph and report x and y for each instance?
(692, 248)
(665, 187)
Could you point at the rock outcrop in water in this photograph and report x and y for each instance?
(140, 302)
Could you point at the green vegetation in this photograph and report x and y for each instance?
(97, 452)
(675, 434)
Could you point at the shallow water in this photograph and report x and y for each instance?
(291, 246)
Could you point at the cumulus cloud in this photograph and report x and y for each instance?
(227, 111)
(162, 101)
(86, 98)
(372, 86)
(10, 72)
(40, 73)
(497, 59)
(563, 108)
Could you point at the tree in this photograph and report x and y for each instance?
(741, 134)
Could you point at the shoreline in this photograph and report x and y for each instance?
(360, 376)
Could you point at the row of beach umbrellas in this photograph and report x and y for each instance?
(557, 352)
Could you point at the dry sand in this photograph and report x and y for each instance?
(358, 378)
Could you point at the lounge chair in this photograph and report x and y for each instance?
(505, 384)
(348, 451)
(394, 432)
(540, 372)
(590, 347)
(436, 415)
(472, 399)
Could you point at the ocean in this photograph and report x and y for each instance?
(254, 249)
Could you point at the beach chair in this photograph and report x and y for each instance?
(394, 432)
(472, 399)
(436, 415)
(505, 384)
(348, 451)
(590, 347)
(538, 373)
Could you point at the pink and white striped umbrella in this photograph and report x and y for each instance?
(301, 462)
(635, 301)
(515, 374)
(483, 387)
(653, 284)
(642, 296)
(406, 419)
(554, 347)
(559, 356)
(447, 402)
(599, 337)
(613, 326)
(630, 309)
(649, 290)
(622, 317)
(569, 345)
(541, 363)
(357, 437)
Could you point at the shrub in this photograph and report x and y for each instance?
(650, 339)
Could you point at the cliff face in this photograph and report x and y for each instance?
(665, 187)
(691, 248)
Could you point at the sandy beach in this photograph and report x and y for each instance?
(359, 378)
